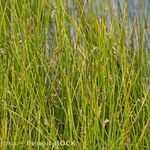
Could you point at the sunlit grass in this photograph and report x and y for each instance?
(71, 74)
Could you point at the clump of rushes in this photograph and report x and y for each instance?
(71, 71)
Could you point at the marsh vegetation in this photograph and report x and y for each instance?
(75, 70)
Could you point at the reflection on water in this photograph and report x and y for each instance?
(136, 9)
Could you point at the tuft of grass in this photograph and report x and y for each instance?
(74, 71)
